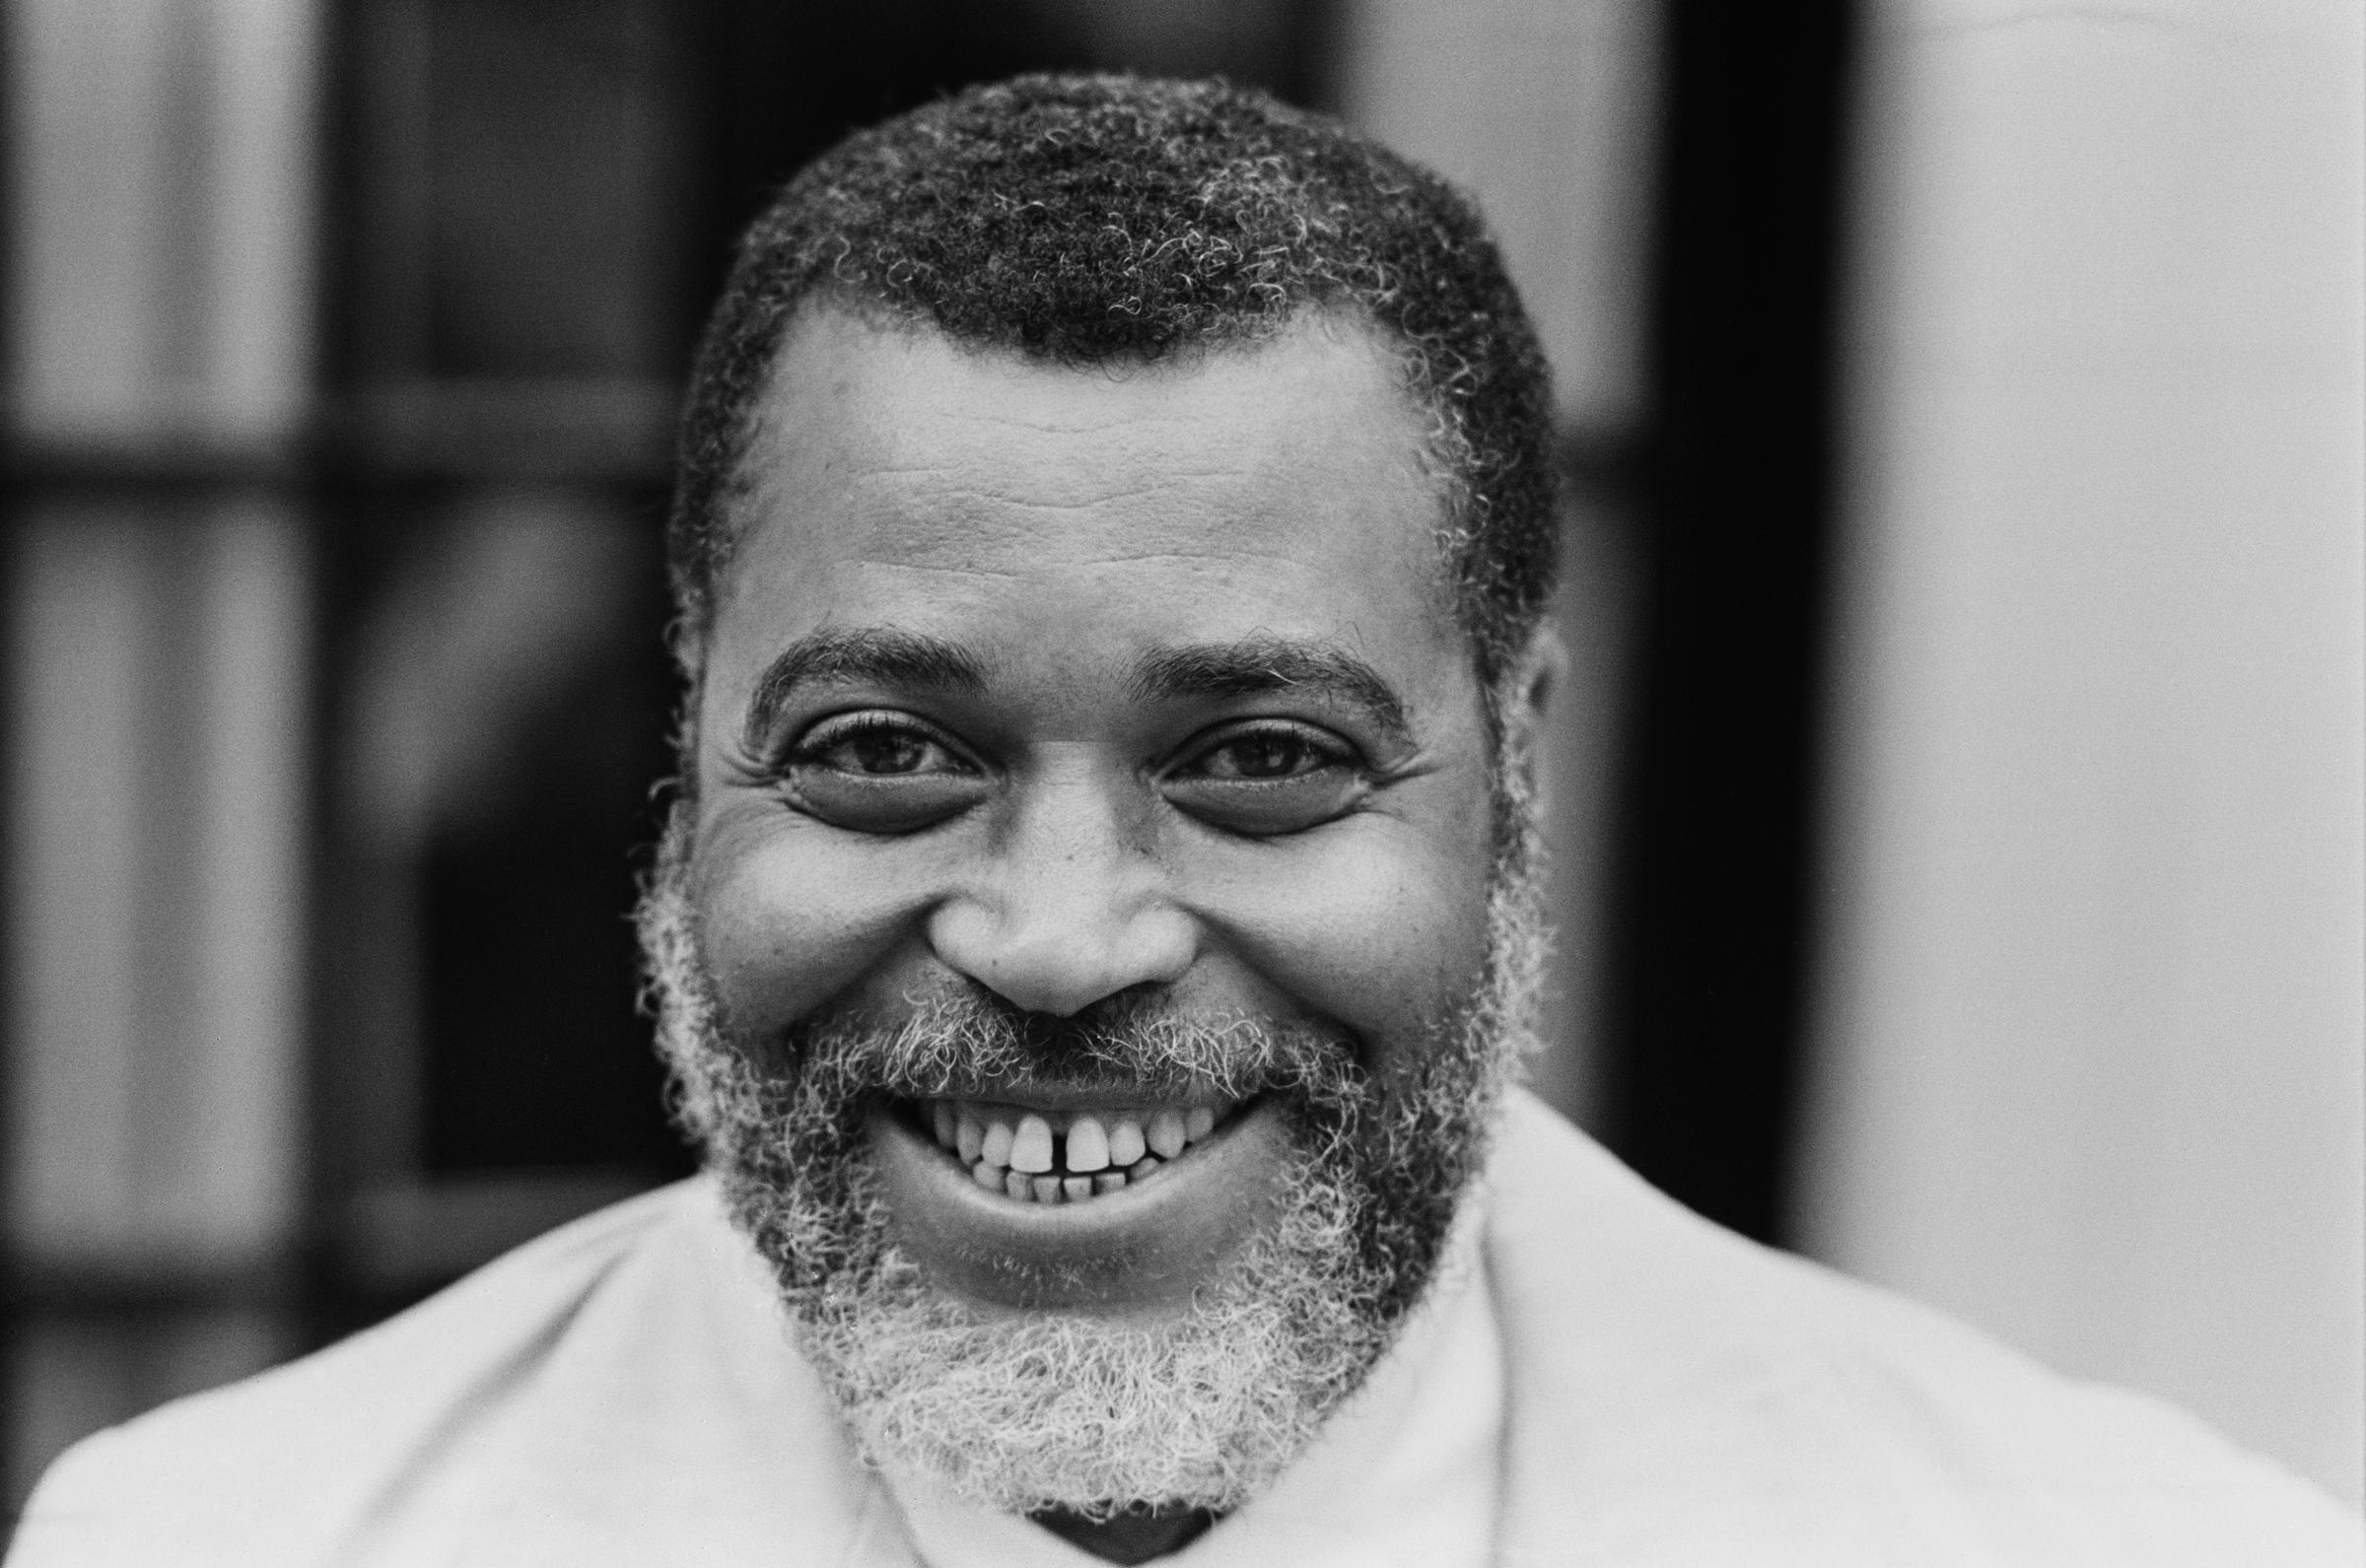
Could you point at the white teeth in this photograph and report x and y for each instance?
(1087, 1147)
(995, 1147)
(1027, 1156)
(1126, 1143)
(1032, 1146)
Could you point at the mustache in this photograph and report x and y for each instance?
(977, 1046)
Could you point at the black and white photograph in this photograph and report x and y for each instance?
(1245, 783)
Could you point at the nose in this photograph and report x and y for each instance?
(1070, 907)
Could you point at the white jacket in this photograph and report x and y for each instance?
(622, 1391)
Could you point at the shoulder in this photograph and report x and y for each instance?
(277, 1468)
(1714, 1392)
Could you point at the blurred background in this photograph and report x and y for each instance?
(1957, 805)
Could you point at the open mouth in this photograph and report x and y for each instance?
(1053, 1155)
(1109, 1199)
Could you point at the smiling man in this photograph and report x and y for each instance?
(1094, 934)
(1078, 915)
(1094, 944)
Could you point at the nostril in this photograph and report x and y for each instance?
(1062, 958)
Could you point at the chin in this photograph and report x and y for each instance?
(1094, 1407)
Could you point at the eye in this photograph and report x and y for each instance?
(1266, 778)
(880, 772)
(879, 749)
(1265, 754)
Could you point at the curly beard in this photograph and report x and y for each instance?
(1069, 1410)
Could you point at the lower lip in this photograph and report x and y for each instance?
(1146, 1247)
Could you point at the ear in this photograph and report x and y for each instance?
(1527, 689)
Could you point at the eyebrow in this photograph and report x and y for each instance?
(1249, 667)
(1257, 666)
(890, 658)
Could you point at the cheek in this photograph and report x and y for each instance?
(1383, 932)
(794, 919)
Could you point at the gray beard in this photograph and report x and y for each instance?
(1069, 1410)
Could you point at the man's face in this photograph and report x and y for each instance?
(1091, 773)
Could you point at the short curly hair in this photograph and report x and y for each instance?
(1079, 220)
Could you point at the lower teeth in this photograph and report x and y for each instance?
(1060, 1188)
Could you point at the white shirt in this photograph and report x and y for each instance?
(622, 1391)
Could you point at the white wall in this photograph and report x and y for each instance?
(2092, 1016)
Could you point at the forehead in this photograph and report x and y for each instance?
(1272, 490)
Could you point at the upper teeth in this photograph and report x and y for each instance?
(1060, 1156)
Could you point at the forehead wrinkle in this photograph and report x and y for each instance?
(1088, 470)
(1085, 499)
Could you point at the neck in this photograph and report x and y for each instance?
(1138, 1535)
